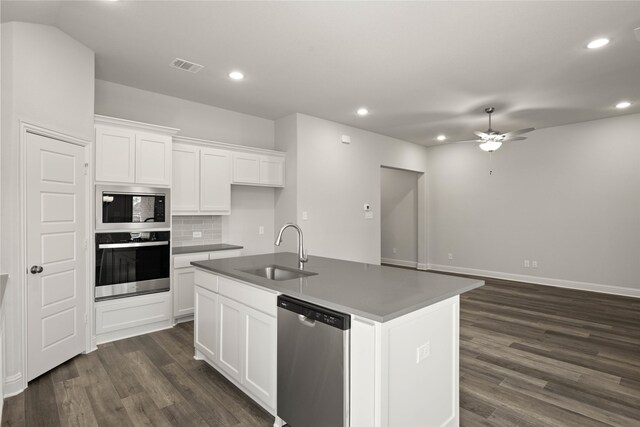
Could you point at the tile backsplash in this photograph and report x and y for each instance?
(184, 226)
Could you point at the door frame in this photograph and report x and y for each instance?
(24, 128)
(422, 212)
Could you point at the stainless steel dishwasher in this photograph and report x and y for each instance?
(313, 365)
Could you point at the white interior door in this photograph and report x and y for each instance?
(56, 285)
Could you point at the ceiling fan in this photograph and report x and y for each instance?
(492, 139)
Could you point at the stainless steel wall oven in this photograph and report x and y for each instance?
(130, 264)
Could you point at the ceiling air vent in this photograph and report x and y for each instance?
(186, 65)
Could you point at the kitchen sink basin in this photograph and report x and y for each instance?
(278, 272)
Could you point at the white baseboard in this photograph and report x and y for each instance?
(547, 281)
(14, 384)
(422, 266)
(399, 262)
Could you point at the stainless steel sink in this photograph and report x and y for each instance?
(278, 272)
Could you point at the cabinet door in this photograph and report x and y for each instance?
(260, 344)
(230, 317)
(205, 328)
(272, 171)
(185, 194)
(215, 181)
(183, 288)
(246, 168)
(153, 159)
(115, 155)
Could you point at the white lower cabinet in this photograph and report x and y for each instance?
(260, 339)
(183, 279)
(126, 317)
(206, 314)
(246, 329)
(230, 337)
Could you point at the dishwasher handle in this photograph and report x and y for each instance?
(311, 314)
(306, 320)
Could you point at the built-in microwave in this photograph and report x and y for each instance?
(132, 208)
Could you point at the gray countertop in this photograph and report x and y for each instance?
(179, 250)
(374, 292)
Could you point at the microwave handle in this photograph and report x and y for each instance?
(131, 245)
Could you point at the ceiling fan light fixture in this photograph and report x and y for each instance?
(490, 146)
(598, 43)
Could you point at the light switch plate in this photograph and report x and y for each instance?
(423, 352)
(197, 234)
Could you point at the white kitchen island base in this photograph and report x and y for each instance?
(403, 373)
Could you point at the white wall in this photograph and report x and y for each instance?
(193, 119)
(286, 200)
(568, 197)
(335, 180)
(251, 207)
(399, 216)
(47, 80)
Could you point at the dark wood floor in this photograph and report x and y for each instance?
(529, 356)
(535, 355)
(150, 380)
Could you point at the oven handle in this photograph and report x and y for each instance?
(131, 245)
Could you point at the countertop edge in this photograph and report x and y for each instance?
(350, 310)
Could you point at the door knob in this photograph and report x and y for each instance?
(35, 269)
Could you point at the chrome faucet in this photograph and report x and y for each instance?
(302, 254)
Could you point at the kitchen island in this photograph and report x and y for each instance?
(404, 332)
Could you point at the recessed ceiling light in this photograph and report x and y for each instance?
(598, 43)
(441, 137)
(623, 104)
(362, 111)
(236, 75)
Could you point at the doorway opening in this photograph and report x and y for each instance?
(401, 227)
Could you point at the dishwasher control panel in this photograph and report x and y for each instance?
(313, 312)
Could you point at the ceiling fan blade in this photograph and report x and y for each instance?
(518, 132)
(481, 134)
(515, 138)
(464, 142)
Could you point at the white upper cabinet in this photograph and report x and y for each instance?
(215, 181)
(258, 169)
(185, 197)
(246, 168)
(132, 152)
(272, 171)
(153, 159)
(115, 154)
(201, 180)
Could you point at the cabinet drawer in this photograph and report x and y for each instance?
(259, 299)
(225, 254)
(206, 280)
(131, 312)
(183, 261)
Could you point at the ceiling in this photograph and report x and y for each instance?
(421, 68)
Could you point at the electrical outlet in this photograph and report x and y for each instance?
(395, 250)
(534, 264)
(423, 352)
(261, 229)
(197, 234)
(450, 256)
(526, 263)
(305, 215)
